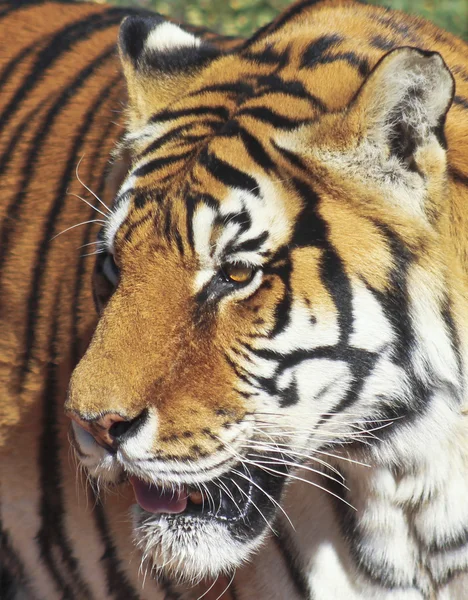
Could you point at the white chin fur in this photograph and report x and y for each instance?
(190, 552)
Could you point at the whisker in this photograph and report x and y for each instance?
(278, 461)
(77, 225)
(233, 451)
(226, 489)
(209, 589)
(91, 244)
(253, 503)
(295, 477)
(87, 188)
(228, 586)
(291, 454)
(322, 452)
(88, 203)
(272, 500)
(93, 253)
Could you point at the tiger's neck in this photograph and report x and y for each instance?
(397, 531)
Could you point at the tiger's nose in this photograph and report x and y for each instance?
(111, 429)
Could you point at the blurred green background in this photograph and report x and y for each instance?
(234, 17)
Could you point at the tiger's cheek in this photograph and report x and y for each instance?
(200, 409)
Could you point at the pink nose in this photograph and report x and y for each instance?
(106, 430)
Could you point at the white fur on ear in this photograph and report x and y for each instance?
(406, 98)
(167, 36)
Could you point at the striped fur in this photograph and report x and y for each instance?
(319, 155)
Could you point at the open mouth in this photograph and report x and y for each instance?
(245, 499)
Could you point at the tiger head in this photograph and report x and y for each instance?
(260, 280)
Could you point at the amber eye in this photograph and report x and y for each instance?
(238, 273)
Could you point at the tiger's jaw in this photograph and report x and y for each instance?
(215, 534)
(187, 527)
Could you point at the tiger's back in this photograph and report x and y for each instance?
(62, 97)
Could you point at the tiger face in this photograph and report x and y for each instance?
(257, 282)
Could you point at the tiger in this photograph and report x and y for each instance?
(276, 379)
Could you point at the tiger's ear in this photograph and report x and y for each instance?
(403, 104)
(390, 139)
(160, 60)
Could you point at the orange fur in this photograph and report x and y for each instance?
(153, 346)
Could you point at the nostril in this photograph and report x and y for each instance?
(119, 429)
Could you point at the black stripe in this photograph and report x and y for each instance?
(8, 583)
(179, 59)
(130, 228)
(448, 317)
(13, 63)
(252, 245)
(460, 71)
(268, 56)
(169, 592)
(458, 177)
(289, 555)
(459, 101)
(56, 206)
(233, 590)
(406, 32)
(80, 267)
(190, 204)
(310, 228)
(370, 566)
(164, 139)
(316, 49)
(12, 570)
(338, 286)
(241, 373)
(238, 88)
(291, 157)
(52, 538)
(395, 301)
(267, 115)
(291, 87)
(283, 307)
(203, 111)
(256, 151)
(160, 163)
(351, 58)
(118, 585)
(382, 43)
(13, 210)
(59, 44)
(228, 174)
(15, 139)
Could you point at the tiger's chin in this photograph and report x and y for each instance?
(191, 533)
(189, 547)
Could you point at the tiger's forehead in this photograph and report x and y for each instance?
(223, 207)
(213, 153)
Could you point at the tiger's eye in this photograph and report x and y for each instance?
(238, 273)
